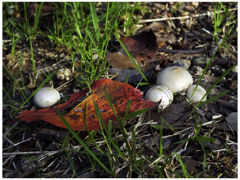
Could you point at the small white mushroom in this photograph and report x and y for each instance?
(46, 97)
(64, 73)
(60, 74)
(157, 93)
(198, 94)
(175, 78)
(67, 73)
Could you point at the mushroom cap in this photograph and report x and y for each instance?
(157, 93)
(175, 78)
(46, 97)
(199, 93)
(60, 74)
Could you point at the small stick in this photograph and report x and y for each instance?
(183, 17)
(29, 172)
(196, 51)
(49, 153)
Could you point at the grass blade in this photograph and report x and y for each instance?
(130, 56)
(213, 85)
(95, 20)
(79, 140)
(72, 165)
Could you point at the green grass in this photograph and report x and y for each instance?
(218, 23)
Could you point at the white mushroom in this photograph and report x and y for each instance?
(64, 73)
(60, 74)
(67, 74)
(46, 97)
(175, 78)
(160, 93)
(198, 94)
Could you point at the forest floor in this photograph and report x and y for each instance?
(69, 46)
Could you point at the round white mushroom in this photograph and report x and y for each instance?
(46, 97)
(198, 94)
(160, 93)
(60, 74)
(176, 79)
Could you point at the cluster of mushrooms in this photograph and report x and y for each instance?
(172, 80)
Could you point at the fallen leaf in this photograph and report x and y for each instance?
(170, 38)
(144, 43)
(120, 60)
(142, 46)
(174, 115)
(133, 75)
(155, 26)
(119, 93)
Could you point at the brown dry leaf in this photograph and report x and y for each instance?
(142, 46)
(120, 60)
(155, 26)
(170, 38)
(175, 56)
(144, 43)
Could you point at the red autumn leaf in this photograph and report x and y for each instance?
(119, 93)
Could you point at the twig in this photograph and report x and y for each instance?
(196, 51)
(31, 152)
(29, 172)
(18, 143)
(6, 133)
(159, 159)
(183, 17)
(139, 82)
(207, 31)
(64, 85)
(6, 41)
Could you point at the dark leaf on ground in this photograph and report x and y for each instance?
(171, 114)
(132, 74)
(144, 43)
